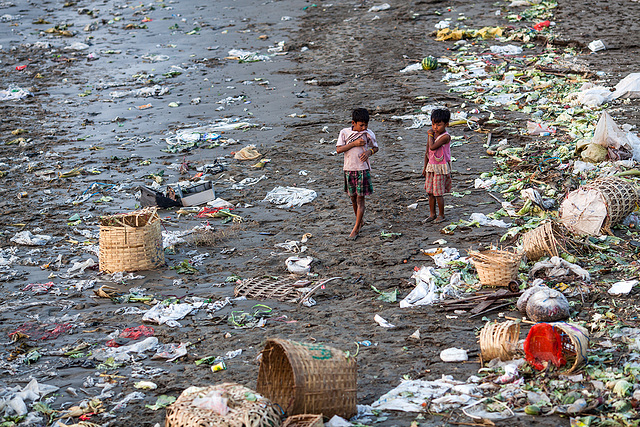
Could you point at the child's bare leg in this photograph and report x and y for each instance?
(432, 209)
(440, 200)
(354, 203)
(359, 216)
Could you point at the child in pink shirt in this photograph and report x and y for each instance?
(437, 164)
(358, 144)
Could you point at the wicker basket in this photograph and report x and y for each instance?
(541, 241)
(620, 196)
(257, 412)
(306, 420)
(575, 342)
(496, 267)
(131, 241)
(499, 340)
(308, 378)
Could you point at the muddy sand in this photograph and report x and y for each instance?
(87, 137)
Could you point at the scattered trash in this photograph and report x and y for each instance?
(454, 354)
(298, 265)
(288, 197)
(382, 322)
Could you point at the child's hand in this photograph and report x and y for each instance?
(365, 156)
(424, 171)
(359, 142)
(431, 132)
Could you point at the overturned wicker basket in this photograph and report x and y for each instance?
(621, 197)
(308, 378)
(499, 340)
(541, 241)
(246, 408)
(496, 267)
(575, 342)
(131, 241)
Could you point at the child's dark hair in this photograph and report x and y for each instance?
(440, 115)
(360, 115)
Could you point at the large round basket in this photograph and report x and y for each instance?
(575, 342)
(541, 241)
(308, 378)
(496, 267)
(245, 408)
(131, 241)
(620, 196)
(499, 340)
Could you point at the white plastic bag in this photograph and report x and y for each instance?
(298, 265)
(426, 288)
(212, 401)
(608, 134)
(541, 129)
(629, 87)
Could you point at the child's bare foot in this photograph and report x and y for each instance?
(352, 236)
(429, 219)
(439, 220)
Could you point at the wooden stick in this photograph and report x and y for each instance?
(520, 320)
(491, 309)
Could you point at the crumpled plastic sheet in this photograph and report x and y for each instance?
(12, 400)
(442, 256)
(171, 352)
(426, 289)
(444, 393)
(79, 267)
(13, 93)
(131, 397)
(122, 354)
(288, 197)
(145, 92)
(169, 314)
(29, 239)
(247, 182)
(558, 267)
(483, 220)
(44, 331)
(246, 55)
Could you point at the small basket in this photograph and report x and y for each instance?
(257, 412)
(308, 378)
(541, 241)
(499, 340)
(305, 420)
(496, 267)
(575, 342)
(620, 196)
(131, 241)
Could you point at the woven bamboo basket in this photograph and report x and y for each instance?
(257, 412)
(496, 267)
(305, 420)
(308, 378)
(499, 340)
(131, 241)
(575, 342)
(620, 196)
(541, 241)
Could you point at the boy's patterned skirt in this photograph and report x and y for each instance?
(358, 183)
(437, 185)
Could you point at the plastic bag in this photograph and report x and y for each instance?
(608, 134)
(298, 265)
(521, 305)
(212, 401)
(540, 129)
(426, 288)
(543, 344)
(548, 305)
(629, 87)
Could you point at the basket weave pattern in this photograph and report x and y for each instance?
(306, 420)
(242, 412)
(540, 241)
(308, 378)
(131, 242)
(499, 340)
(496, 267)
(575, 341)
(620, 196)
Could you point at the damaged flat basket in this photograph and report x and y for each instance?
(496, 267)
(131, 241)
